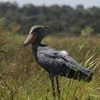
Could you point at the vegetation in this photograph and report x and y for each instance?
(61, 18)
(21, 78)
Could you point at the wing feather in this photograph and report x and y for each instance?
(58, 63)
(55, 61)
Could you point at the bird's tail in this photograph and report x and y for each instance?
(80, 74)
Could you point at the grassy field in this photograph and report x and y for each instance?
(21, 78)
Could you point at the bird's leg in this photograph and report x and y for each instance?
(58, 90)
(52, 81)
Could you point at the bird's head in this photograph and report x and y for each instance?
(36, 34)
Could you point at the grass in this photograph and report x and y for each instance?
(21, 78)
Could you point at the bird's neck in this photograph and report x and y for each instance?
(34, 47)
(36, 43)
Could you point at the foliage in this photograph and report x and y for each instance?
(21, 78)
(61, 18)
(87, 31)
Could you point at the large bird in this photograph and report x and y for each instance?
(55, 62)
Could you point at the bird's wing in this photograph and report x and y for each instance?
(54, 60)
(55, 54)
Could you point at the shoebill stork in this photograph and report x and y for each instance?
(55, 62)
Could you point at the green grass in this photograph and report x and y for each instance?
(21, 78)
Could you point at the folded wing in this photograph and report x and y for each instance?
(58, 63)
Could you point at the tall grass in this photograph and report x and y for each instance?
(21, 78)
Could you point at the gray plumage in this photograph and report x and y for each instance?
(54, 61)
(57, 63)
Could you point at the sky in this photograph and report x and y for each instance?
(73, 3)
